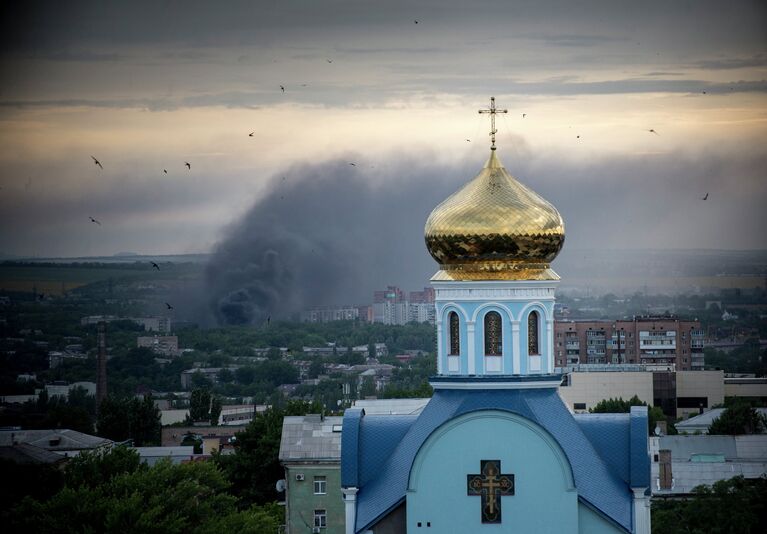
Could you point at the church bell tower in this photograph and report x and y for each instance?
(494, 240)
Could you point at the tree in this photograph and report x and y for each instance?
(316, 368)
(225, 376)
(199, 405)
(100, 466)
(729, 506)
(175, 499)
(739, 418)
(254, 467)
(654, 413)
(368, 388)
(137, 419)
(215, 410)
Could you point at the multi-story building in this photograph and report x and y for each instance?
(390, 306)
(166, 345)
(393, 306)
(310, 452)
(649, 340)
(325, 314)
(421, 307)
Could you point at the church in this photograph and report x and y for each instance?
(495, 449)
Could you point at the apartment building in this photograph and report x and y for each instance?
(648, 340)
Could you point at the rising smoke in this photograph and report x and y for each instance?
(327, 233)
(332, 233)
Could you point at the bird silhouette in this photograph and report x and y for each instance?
(97, 162)
(94, 221)
(653, 131)
(329, 60)
(165, 171)
(251, 134)
(524, 115)
(705, 197)
(169, 306)
(188, 165)
(415, 21)
(468, 140)
(577, 136)
(155, 265)
(283, 88)
(353, 164)
(704, 92)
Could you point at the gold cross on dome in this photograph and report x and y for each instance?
(492, 111)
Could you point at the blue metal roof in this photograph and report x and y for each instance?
(640, 458)
(610, 434)
(390, 444)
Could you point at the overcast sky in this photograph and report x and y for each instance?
(147, 86)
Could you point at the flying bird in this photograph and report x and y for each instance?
(97, 162)
(169, 306)
(329, 60)
(251, 134)
(704, 92)
(415, 21)
(94, 221)
(524, 115)
(577, 136)
(188, 165)
(468, 140)
(155, 265)
(353, 164)
(165, 171)
(653, 131)
(283, 88)
(705, 197)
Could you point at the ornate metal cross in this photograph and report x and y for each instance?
(490, 485)
(492, 111)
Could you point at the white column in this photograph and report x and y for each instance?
(350, 507)
(440, 351)
(470, 352)
(550, 343)
(516, 366)
(641, 511)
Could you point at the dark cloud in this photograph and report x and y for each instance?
(326, 235)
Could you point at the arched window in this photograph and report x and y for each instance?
(533, 346)
(493, 334)
(455, 334)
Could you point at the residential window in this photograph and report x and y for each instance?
(455, 334)
(493, 334)
(579, 405)
(320, 485)
(320, 518)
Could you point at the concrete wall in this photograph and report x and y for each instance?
(708, 384)
(745, 388)
(590, 388)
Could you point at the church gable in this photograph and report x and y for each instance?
(491, 468)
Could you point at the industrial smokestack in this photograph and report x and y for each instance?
(101, 363)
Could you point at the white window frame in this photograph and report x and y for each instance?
(320, 485)
(320, 518)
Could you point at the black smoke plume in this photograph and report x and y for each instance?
(326, 234)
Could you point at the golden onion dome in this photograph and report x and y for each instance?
(494, 228)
